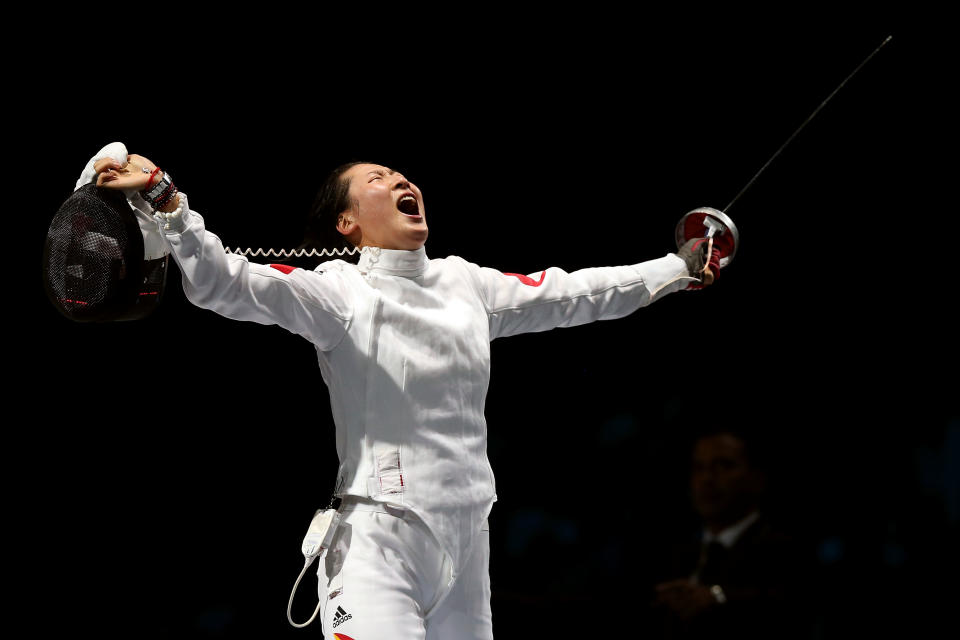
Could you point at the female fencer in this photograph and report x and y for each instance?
(404, 348)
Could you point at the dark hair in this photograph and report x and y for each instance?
(332, 199)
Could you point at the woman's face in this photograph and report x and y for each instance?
(388, 211)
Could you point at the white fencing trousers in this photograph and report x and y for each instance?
(386, 577)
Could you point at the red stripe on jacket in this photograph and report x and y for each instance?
(528, 280)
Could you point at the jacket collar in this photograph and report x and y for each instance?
(395, 262)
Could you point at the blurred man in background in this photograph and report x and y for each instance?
(744, 578)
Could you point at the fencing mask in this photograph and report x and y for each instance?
(102, 259)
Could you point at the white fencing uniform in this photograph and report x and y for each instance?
(403, 343)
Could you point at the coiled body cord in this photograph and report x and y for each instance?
(293, 253)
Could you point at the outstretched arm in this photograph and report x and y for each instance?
(314, 304)
(554, 298)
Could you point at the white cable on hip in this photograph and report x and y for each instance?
(306, 565)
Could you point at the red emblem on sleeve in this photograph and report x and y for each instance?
(528, 280)
(283, 267)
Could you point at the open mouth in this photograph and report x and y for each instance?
(408, 205)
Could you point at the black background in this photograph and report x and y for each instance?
(164, 471)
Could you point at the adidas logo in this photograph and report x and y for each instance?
(340, 616)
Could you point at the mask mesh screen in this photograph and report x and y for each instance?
(93, 255)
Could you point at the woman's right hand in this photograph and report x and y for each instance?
(131, 177)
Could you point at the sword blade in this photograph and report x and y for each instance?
(805, 122)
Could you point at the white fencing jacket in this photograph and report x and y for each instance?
(404, 347)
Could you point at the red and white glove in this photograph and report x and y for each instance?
(703, 261)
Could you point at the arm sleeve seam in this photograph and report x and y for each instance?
(305, 295)
(476, 287)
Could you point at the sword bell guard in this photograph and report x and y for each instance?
(698, 224)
